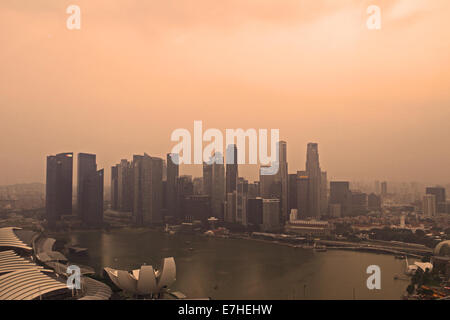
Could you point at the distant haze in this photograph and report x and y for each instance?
(377, 102)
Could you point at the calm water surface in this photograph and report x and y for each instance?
(242, 269)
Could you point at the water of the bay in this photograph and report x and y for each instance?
(242, 269)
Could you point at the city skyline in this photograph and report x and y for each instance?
(247, 171)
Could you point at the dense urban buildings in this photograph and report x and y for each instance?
(150, 191)
(440, 198)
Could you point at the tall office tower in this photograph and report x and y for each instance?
(87, 166)
(197, 207)
(173, 172)
(314, 174)
(148, 191)
(93, 199)
(253, 189)
(90, 191)
(359, 203)
(323, 193)
(255, 212)
(377, 187)
(115, 187)
(241, 201)
(302, 195)
(340, 194)
(198, 186)
(125, 186)
(292, 187)
(58, 187)
(230, 207)
(429, 205)
(185, 188)
(269, 185)
(374, 202)
(384, 188)
(218, 185)
(440, 198)
(207, 179)
(283, 178)
(271, 215)
(232, 168)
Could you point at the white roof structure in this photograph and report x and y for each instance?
(8, 239)
(45, 253)
(27, 284)
(440, 245)
(11, 261)
(424, 265)
(144, 281)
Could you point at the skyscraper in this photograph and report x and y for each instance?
(148, 190)
(115, 187)
(323, 193)
(271, 215)
(89, 191)
(241, 201)
(207, 179)
(283, 178)
(359, 203)
(93, 198)
(125, 186)
(384, 190)
(429, 205)
(314, 175)
(58, 186)
(255, 212)
(340, 194)
(218, 185)
(302, 195)
(292, 194)
(440, 198)
(232, 168)
(270, 185)
(87, 166)
(171, 184)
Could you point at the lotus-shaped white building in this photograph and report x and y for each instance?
(145, 281)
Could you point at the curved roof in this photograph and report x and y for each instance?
(437, 249)
(146, 280)
(8, 239)
(44, 250)
(95, 290)
(27, 284)
(10, 261)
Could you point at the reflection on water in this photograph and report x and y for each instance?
(243, 269)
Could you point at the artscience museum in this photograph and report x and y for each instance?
(147, 281)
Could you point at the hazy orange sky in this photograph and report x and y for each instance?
(377, 102)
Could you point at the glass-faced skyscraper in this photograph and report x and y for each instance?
(148, 190)
(232, 168)
(173, 172)
(59, 186)
(89, 190)
(314, 175)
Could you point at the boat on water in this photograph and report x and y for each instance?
(78, 250)
(319, 248)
